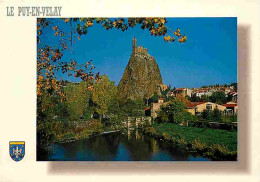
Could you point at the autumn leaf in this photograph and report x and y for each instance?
(55, 28)
(183, 39)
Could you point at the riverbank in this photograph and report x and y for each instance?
(83, 135)
(212, 143)
(118, 146)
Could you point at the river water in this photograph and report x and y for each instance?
(131, 146)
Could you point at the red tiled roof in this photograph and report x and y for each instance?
(230, 105)
(178, 89)
(193, 104)
(160, 98)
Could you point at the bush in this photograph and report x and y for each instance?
(206, 114)
(166, 136)
(162, 117)
(45, 134)
(218, 97)
(197, 145)
(174, 112)
(217, 115)
(150, 130)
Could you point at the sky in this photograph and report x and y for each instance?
(208, 57)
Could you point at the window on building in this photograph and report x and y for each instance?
(209, 106)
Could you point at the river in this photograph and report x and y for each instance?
(121, 147)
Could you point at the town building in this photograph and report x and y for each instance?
(156, 107)
(231, 108)
(182, 92)
(201, 93)
(194, 107)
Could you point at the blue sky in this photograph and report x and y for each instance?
(208, 57)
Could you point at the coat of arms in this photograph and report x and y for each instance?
(17, 150)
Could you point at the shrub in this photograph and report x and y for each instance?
(78, 129)
(206, 114)
(150, 130)
(95, 126)
(174, 112)
(197, 145)
(217, 115)
(182, 141)
(69, 136)
(166, 136)
(219, 149)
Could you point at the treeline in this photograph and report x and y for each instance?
(99, 108)
(221, 85)
(81, 103)
(216, 97)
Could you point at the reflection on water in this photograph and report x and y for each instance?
(131, 146)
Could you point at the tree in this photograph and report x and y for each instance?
(194, 98)
(207, 114)
(169, 87)
(77, 99)
(217, 115)
(154, 98)
(133, 108)
(104, 95)
(218, 97)
(234, 85)
(205, 98)
(174, 112)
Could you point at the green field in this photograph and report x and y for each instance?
(203, 135)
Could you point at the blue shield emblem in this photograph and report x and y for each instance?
(17, 150)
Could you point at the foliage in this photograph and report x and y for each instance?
(150, 130)
(229, 119)
(45, 134)
(205, 98)
(206, 136)
(194, 98)
(162, 116)
(104, 95)
(75, 130)
(174, 112)
(154, 98)
(215, 115)
(166, 136)
(218, 97)
(207, 114)
(234, 85)
(133, 108)
(77, 99)
(198, 145)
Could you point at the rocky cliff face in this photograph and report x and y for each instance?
(141, 78)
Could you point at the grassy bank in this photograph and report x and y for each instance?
(213, 143)
(71, 131)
